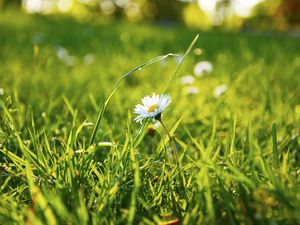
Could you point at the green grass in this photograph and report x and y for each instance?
(239, 153)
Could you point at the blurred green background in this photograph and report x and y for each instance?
(229, 14)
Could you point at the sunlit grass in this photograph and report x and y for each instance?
(238, 151)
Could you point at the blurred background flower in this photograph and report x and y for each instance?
(1, 91)
(192, 90)
(187, 79)
(221, 89)
(202, 68)
(64, 56)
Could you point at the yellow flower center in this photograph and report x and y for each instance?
(152, 108)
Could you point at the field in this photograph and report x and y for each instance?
(238, 151)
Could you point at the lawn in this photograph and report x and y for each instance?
(238, 151)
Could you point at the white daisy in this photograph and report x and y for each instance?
(152, 107)
(202, 68)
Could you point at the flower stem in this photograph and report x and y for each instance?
(181, 175)
(172, 141)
